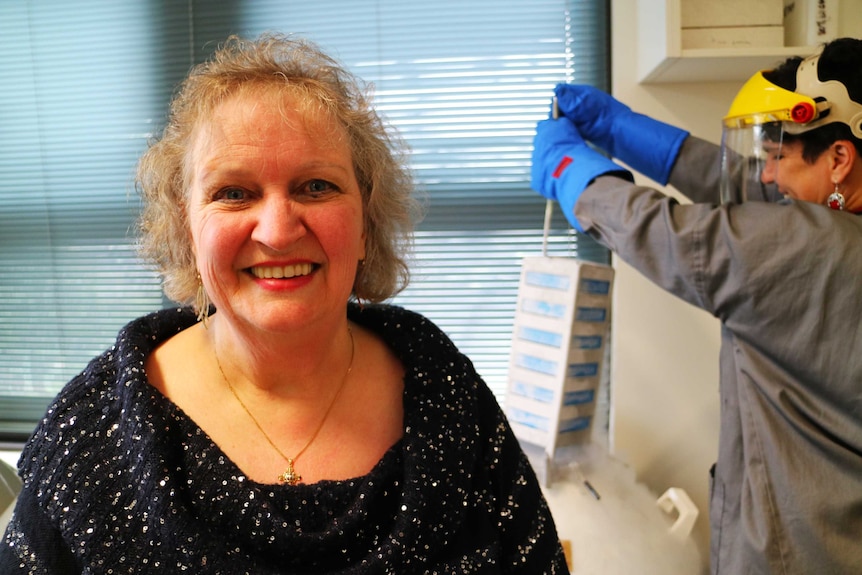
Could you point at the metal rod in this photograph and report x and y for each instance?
(549, 205)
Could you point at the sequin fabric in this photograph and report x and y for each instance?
(118, 480)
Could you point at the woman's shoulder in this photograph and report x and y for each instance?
(401, 328)
(433, 364)
(92, 410)
(111, 373)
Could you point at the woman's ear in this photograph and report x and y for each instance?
(843, 158)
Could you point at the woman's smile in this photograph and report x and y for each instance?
(282, 272)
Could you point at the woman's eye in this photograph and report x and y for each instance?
(231, 194)
(319, 188)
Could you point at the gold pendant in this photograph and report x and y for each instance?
(290, 476)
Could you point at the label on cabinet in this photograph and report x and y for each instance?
(733, 37)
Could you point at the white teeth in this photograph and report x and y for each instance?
(280, 272)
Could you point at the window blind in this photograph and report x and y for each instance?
(79, 94)
(88, 82)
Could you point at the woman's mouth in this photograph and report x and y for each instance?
(281, 272)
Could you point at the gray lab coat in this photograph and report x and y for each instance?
(784, 279)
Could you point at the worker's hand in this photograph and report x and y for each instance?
(564, 165)
(645, 144)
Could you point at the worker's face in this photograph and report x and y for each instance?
(793, 175)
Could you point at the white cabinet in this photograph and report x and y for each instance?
(662, 58)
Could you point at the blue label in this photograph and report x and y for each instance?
(546, 280)
(540, 336)
(536, 364)
(586, 341)
(575, 424)
(535, 392)
(578, 397)
(545, 308)
(529, 419)
(591, 314)
(583, 369)
(595, 287)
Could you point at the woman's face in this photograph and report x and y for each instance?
(795, 177)
(275, 212)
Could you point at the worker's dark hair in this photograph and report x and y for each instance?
(840, 60)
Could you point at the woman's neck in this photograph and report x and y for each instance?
(299, 362)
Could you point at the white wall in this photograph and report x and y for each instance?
(10, 457)
(664, 365)
(665, 352)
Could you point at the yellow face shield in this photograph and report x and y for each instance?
(759, 101)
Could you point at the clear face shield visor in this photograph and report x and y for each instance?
(749, 162)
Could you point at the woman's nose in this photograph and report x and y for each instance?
(767, 174)
(279, 222)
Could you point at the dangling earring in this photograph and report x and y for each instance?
(836, 199)
(202, 302)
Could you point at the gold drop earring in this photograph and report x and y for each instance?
(202, 302)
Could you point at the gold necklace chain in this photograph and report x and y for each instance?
(290, 476)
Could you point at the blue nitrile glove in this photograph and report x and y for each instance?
(645, 144)
(564, 165)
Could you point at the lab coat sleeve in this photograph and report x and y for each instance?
(701, 186)
(778, 275)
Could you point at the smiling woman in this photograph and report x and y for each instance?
(291, 429)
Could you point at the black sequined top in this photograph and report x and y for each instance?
(118, 480)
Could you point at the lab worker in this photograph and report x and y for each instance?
(771, 245)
